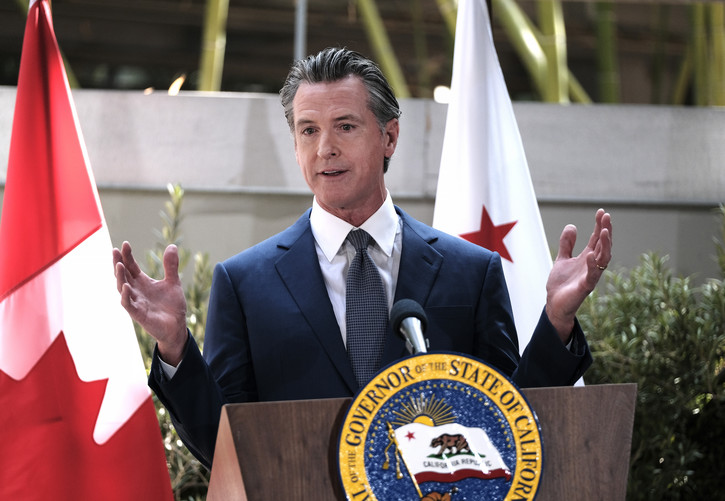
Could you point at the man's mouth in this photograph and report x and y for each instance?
(332, 172)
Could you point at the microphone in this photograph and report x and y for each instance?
(409, 320)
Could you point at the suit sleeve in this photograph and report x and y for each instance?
(193, 400)
(202, 385)
(546, 361)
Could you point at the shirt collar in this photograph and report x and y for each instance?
(330, 231)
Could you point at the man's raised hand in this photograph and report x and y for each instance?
(573, 278)
(159, 306)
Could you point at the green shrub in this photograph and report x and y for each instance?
(668, 336)
(189, 478)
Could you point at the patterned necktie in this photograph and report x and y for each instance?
(366, 311)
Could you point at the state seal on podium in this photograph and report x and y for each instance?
(440, 426)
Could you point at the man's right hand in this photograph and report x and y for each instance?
(159, 306)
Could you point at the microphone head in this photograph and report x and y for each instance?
(406, 308)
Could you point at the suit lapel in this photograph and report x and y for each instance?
(419, 267)
(299, 269)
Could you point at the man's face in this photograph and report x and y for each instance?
(340, 148)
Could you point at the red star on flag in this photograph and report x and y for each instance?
(410, 435)
(490, 235)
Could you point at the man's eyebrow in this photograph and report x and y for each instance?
(343, 118)
(350, 117)
(303, 122)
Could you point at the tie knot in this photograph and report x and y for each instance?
(360, 239)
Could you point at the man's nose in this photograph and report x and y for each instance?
(327, 146)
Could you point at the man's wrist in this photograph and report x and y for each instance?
(173, 353)
(564, 326)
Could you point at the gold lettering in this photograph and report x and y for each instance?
(364, 491)
(382, 386)
(405, 372)
(494, 386)
(466, 366)
(353, 440)
(474, 376)
(523, 489)
(373, 396)
(363, 406)
(528, 422)
(528, 474)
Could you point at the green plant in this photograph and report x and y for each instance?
(189, 478)
(668, 336)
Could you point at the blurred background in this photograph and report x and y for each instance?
(623, 52)
(648, 148)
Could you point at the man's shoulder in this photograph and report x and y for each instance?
(272, 247)
(443, 242)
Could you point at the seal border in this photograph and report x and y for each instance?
(353, 489)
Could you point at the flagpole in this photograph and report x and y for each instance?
(391, 436)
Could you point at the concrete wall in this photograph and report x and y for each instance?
(658, 170)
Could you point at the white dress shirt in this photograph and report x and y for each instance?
(335, 253)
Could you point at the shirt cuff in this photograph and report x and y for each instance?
(169, 370)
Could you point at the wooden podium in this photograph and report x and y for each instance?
(288, 450)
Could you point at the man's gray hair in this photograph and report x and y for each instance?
(332, 65)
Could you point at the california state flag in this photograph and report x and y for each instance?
(76, 418)
(449, 453)
(485, 193)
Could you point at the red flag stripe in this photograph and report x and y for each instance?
(77, 420)
(51, 205)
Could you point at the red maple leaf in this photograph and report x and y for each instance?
(490, 236)
(48, 451)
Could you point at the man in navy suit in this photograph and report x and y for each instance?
(276, 327)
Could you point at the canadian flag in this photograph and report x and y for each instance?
(76, 418)
(485, 193)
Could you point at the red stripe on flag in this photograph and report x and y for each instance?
(458, 475)
(49, 415)
(49, 205)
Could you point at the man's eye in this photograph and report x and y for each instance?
(307, 131)
(346, 127)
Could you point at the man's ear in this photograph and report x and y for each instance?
(391, 133)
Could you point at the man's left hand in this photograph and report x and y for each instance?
(573, 278)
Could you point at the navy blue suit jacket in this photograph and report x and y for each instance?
(271, 332)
